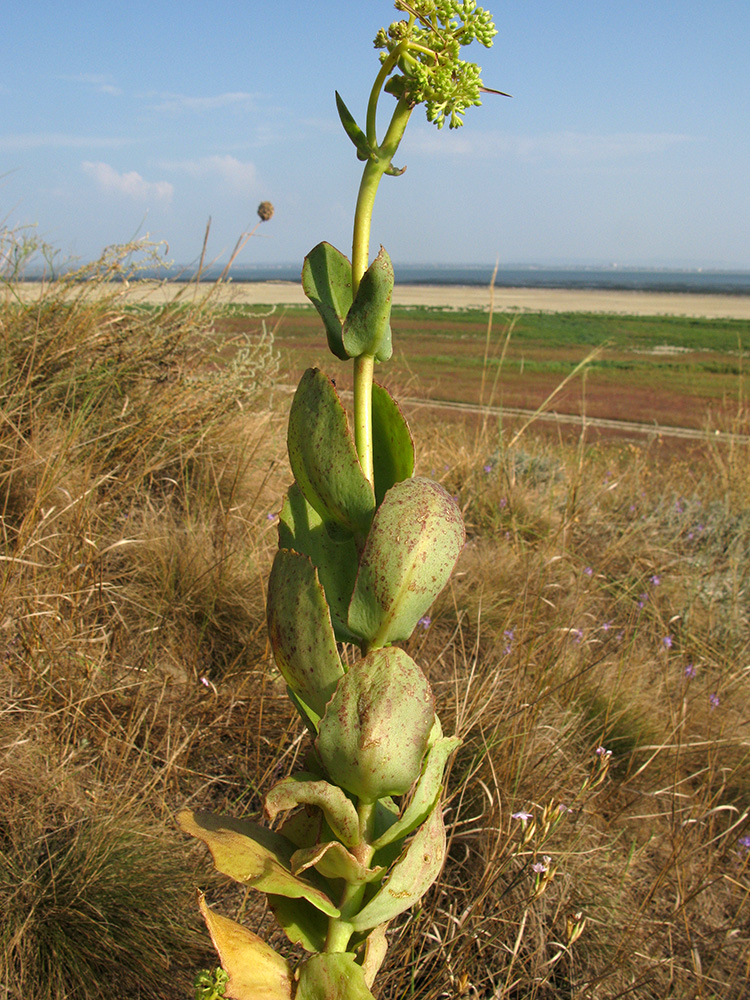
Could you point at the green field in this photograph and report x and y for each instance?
(672, 371)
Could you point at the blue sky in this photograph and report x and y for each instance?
(627, 139)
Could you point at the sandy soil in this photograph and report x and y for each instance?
(457, 297)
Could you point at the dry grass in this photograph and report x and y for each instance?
(135, 677)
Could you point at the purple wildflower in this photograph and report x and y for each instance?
(655, 580)
(425, 621)
(522, 815)
(715, 701)
(589, 571)
(667, 642)
(690, 670)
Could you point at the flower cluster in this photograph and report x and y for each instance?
(426, 51)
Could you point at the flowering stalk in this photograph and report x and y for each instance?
(364, 549)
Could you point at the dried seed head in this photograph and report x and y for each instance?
(265, 211)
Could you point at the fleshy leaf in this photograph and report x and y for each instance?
(255, 856)
(392, 444)
(367, 327)
(374, 733)
(301, 528)
(305, 789)
(302, 923)
(416, 537)
(324, 458)
(353, 130)
(426, 794)
(300, 630)
(410, 878)
(327, 282)
(332, 976)
(386, 814)
(255, 970)
(333, 861)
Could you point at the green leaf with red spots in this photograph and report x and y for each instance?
(376, 727)
(416, 537)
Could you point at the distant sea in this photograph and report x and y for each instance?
(614, 278)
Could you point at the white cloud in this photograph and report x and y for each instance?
(98, 80)
(180, 103)
(131, 184)
(237, 174)
(582, 146)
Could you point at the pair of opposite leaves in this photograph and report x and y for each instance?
(355, 325)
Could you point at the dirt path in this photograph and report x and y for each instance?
(600, 423)
(522, 415)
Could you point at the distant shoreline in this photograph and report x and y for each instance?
(439, 296)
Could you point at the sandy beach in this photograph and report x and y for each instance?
(469, 296)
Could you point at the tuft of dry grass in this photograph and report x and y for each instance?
(591, 650)
(133, 502)
(91, 890)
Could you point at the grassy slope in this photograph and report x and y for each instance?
(600, 602)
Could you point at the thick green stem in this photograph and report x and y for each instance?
(368, 188)
(339, 932)
(364, 367)
(339, 929)
(365, 364)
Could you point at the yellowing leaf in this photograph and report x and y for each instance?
(255, 856)
(255, 970)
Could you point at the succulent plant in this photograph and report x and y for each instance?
(365, 547)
